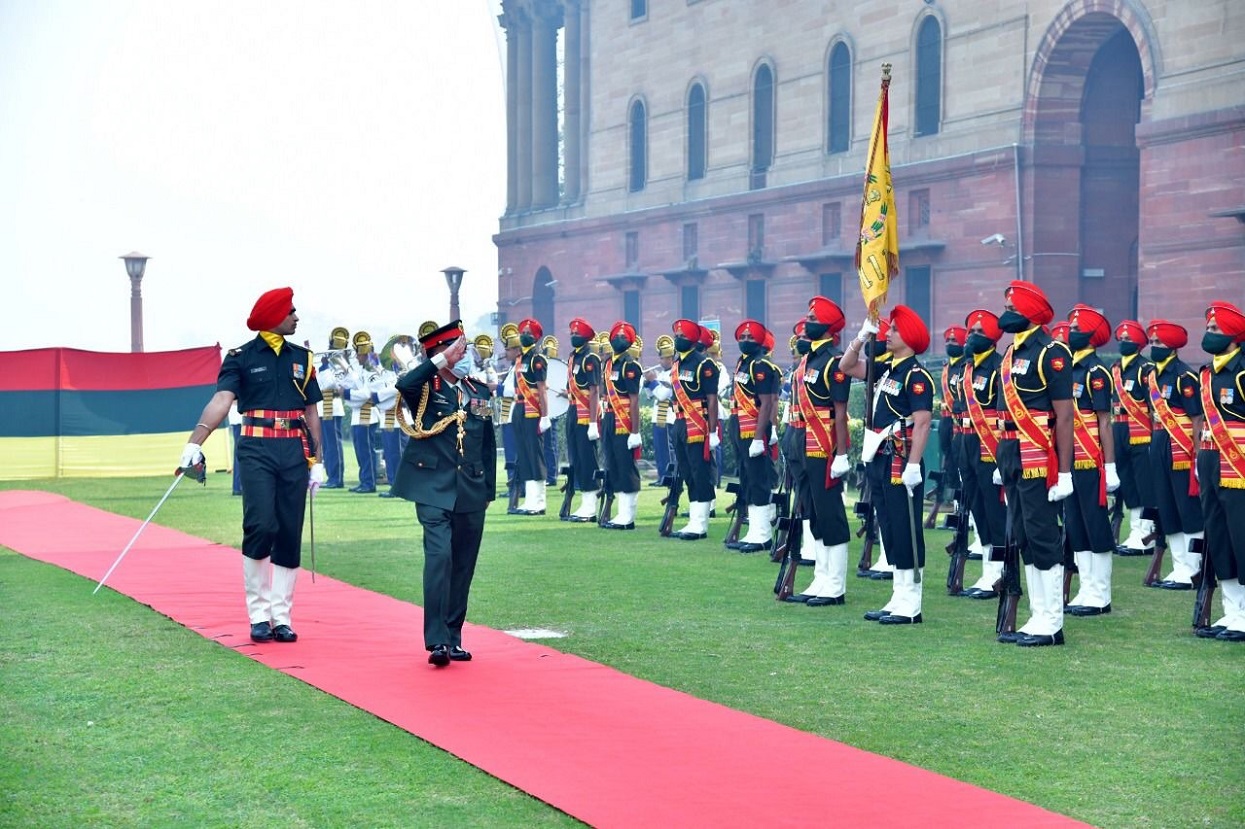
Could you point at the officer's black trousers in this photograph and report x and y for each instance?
(274, 497)
(451, 546)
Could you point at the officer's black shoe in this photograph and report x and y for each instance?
(579, 519)
(690, 536)
(978, 593)
(807, 562)
(1231, 636)
(1173, 585)
(332, 486)
(284, 633)
(896, 619)
(1086, 610)
(530, 512)
(1209, 631)
(864, 574)
(1011, 637)
(1121, 550)
(514, 511)
(457, 654)
(823, 601)
(388, 493)
(732, 545)
(882, 575)
(876, 615)
(439, 656)
(363, 489)
(261, 632)
(610, 525)
(973, 557)
(798, 598)
(1037, 640)
(655, 483)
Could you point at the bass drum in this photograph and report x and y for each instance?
(556, 378)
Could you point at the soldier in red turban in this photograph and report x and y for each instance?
(694, 380)
(583, 433)
(1133, 428)
(531, 416)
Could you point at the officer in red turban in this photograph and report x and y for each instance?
(1221, 467)
(583, 433)
(1132, 429)
(622, 377)
(694, 378)
(531, 416)
(1176, 404)
(757, 383)
(1034, 459)
(274, 383)
(951, 414)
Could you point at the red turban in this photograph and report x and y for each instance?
(532, 327)
(768, 341)
(1168, 333)
(623, 329)
(706, 336)
(581, 328)
(884, 327)
(989, 323)
(1229, 319)
(686, 328)
(271, 309)
(798, 328)
(1133, 329)
(1059, 331)
(1030, 302)
(825, 311)
(752, 327)
(957, 334)
(1088, 319)
(441, 336)
(911, 328)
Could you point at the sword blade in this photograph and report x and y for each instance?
(177, 480)
(311, 510)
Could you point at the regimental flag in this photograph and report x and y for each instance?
(877, 249)
(71, 413)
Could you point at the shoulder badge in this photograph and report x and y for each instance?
(1058, 363)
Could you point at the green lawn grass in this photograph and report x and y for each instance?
(1134, 723)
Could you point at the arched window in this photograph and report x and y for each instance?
(839, 107)
(696, 132)
(762, 120)
(637, 121)
(928, 77)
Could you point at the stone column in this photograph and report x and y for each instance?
(546, 19)
(510, 24)
(523, 112)
(572, 123)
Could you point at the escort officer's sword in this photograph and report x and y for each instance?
(198, 472)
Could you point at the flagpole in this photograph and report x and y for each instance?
(877, 143)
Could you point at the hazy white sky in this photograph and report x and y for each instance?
(350, 150)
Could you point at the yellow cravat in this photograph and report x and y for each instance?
(275, 341)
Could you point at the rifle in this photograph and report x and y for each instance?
(1117, 516)
(605, 507)
(568, 493)
(782, 499)
(1069, 566)
(792, 529)
(512, 490)
(942, 479)
(1008, 587)
(1205, 587)
(868, 528)
(674, 488)
(1156, 536)
(736, 510)
(958, 548)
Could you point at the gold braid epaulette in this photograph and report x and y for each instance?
(417, 430)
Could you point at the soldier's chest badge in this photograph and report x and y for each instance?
(1128, 385)
(891, 386)
(1166, 392)
(1020, 367)
(741, 377)
(979, 383)
(300, 371)
(1077, 389)
(1226, 396)
(686, 376)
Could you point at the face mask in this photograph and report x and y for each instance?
(578, 341)
(1216, 343)
(1128, 349)
(1014, 322)
(620, 344)
(463, 367)
(955, 350)
(749, 348)
(816, 330)
(803, 347)
(682, 344)
(1078, 340)
(979, 343)
(527, 340)
(1159, 353)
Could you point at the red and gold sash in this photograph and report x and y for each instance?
(620, 404)
(795, 417)
(579, 396)
(818, 424)
(1087, 447)
(982, 425)
(524, 391)
(1228, 438)
(947, 409)
(690, 410)
(1181, 438)
(746, 409)
(1137, 417)
(1038, 457)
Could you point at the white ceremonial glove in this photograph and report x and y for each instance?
(545, 425)
(594, 432)
(912, 477)
(191, 455)
(773, 436)
(997, 477)
(714, 441)
(1113, 479)
(1062, 488)
(662, 392)
(634, 441)
(756, 448)
(840, 466)
(866, 328)
(317, 477)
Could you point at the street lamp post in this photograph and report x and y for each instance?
(453, 278)
(135, 265)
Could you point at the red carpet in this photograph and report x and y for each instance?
(604, 747)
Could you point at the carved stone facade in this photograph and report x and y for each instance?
(1098, 144)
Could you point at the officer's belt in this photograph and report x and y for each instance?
(274, 424)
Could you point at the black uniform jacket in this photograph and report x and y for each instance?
(433, 472)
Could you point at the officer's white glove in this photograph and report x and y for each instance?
(840, 466)
(912, 477)
(191, 455)
(773, 436)
(634, 441)
(545, 425)
(714, 441)
(594, 432)
(867, 328)
(662, 392)
(756, 448)
(1113, 479)
(997, 477)
(317, 477)
(1062, 488)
